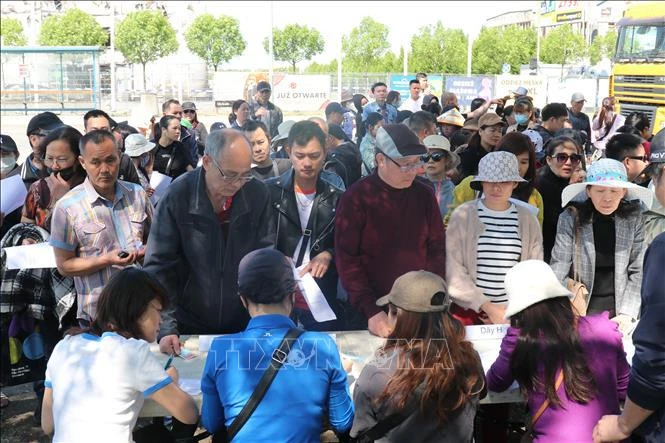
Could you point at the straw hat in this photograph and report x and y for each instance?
(530, 282)
(451, 117)
(496, 167)
(610, 174)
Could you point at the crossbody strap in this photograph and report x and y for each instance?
(307, 232)
(279, 356)
(380, 429)
(546, 403)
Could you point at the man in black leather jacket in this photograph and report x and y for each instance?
(303, 209)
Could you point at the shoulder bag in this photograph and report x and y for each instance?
(580, 299)
(528, 436)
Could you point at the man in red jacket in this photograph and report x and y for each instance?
(388, 224)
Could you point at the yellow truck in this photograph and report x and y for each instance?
(638, 72)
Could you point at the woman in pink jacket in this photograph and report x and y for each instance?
(572, 369)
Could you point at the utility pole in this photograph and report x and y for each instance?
(270, 44)
(113, 86)
(339, 70)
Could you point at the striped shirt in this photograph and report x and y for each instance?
(499, 249)
(85, 222)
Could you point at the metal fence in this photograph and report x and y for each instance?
(35, 79)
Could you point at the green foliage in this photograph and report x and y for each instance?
(145, 36)
(294, 44)
(73, 28)
(562, 45)
(602, 46)
(215, 40)
(437, 49)
(318, 68)
(11, 31)
(494, 47)
(365, 47)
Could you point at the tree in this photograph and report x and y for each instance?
(215, 40)
(294, 44)
(367, 43)
(494, 47)
(602, 47)
(11, 31)
(437, 49)
(562, 45)
(318, 68)
(145, 36)
(73, 28)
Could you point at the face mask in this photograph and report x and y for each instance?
(7, 164)
(144, 161)
(521, 119)
(66, 173)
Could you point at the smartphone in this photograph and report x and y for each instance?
(123, 254)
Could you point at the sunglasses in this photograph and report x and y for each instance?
(437, 156)
(563, 158)
(189, 111)
(642, 158)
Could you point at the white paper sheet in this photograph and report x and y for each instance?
(525, 205)
(192, 386)
(159, 182)
(315, 299)
(12, 193)
(35, 256)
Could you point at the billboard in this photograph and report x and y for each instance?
(293, 93)
(537, 86)
(467, 88)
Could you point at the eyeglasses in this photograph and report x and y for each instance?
(563, 158)
(58, 161)
(436, 157)
(189, 111)
(233, 178)
(403, 168)
(642, 158)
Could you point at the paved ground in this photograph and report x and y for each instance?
(17, 419)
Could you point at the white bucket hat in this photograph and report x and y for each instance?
(500, 166)
(530, 282)
(610, 174)
(137, 144)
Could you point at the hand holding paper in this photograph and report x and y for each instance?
(315, 299)
(159, 182)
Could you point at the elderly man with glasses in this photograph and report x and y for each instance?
(208, 220)
(387, 225)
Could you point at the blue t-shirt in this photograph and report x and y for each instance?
(309, 383)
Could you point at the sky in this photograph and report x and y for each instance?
(336, 18)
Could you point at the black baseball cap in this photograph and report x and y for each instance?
(262, 86)
(398, 141)
(46, 121)
(266, 276)
(7, 144)
(217, 126)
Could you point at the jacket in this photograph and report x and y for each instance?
(627, 258)
(550, 187)
(601, 343)
(288, 231)
(464, 229)
(654, 221)
(188, 254)
(345, 161)
(272, 120)
(646, 387)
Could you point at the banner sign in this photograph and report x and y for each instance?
(537, 86)
(468, 88)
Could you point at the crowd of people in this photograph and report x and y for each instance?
(413, 218)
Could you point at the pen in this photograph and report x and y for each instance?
(168, 362)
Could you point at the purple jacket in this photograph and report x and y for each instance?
(606, 358)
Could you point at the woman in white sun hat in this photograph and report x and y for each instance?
(572, 369)
(600, 240)
(485, 238)
(142, 153)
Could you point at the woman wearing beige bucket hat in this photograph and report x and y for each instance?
(572, 369)
(425, 382)
(600, 240)
(485, 238)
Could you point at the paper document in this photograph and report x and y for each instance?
(35, 256)
(315, 299)
(525, 205)
(159, 182)
(192, 386)
(12, 193)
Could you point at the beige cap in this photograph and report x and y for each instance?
(418, 291)
(490, 119)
